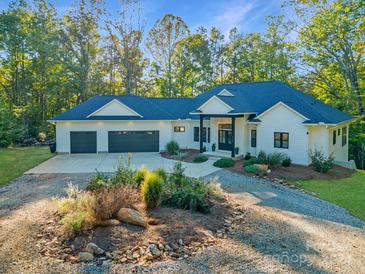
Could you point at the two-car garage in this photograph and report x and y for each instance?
(118, 141)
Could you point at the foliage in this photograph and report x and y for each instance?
(252, 169)
(10, 130)
(125, 174)
(76, 209)
(151, 190)
(100, 180)
(162, 173)
(271, 159)
(320, 163)
(224, 162)
(251, 161)
(177, 176)
(200, 159)
(247, 156)
(286, 162)
(141, 174)
(107, 201)
(173, 147)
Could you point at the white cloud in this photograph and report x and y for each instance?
(232, 14)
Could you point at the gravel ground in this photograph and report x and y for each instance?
(275, 236)
(266, 193)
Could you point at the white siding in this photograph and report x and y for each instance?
(215, 106)
(282, 119)
(115, 108)
(339, 152)
(319, 139)
(102, 127)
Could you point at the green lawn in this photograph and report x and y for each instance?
(15, 161)
(348, 193)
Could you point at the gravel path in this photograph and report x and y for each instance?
(277, 235)
(266, 193)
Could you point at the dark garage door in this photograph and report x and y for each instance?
(83, 141)
(133, 141)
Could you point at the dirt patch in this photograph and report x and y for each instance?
(186, 155)
(184, 231)
(297, 172)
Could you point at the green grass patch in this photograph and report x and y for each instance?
(15, 161)
(348, 193)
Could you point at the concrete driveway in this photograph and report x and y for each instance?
(88, 163)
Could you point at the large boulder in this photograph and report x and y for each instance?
(131, 216)
(85, 257)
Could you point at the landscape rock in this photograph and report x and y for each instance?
(110, 222)
(94, 249)
(154, 250)
(85, 257)
(131, 216)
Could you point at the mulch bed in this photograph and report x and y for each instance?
(297, 172)
(189, 155)
(185, 231)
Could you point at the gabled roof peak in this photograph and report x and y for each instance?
(225, 92)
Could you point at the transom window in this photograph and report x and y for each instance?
(179, 129)
(253, 138)
(281, 139)
(225, 126)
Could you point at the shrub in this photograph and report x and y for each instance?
(172, 148)
(162, 173)
(100, 180)
(200, 159)
(108, 201)
(274, 159)
(248, 156)
(192, 195)
(151, 190)
(262, 158)
(252, 169)
(224, 162)
(140, 175)
(320, 163)
(177, 176)
(76, 209)
(286, 162)
(125, 174)
(251, 161)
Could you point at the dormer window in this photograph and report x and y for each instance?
(225, 92)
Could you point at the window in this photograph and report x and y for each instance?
(281, 139)
(334, 137)
(196, 134)
(339, 132)
(344, 136)
(179, 129)
(253, 138)
(204, 132)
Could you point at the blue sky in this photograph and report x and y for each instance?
(246, 15)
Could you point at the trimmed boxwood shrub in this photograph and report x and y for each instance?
(200, 159)
(224, 162)
(251, 161)
(172, 148)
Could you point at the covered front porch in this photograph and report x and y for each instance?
(224, 133)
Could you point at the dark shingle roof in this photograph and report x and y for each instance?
(255, 97)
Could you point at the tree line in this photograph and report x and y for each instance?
(50, 63)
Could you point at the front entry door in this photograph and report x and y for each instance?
(225, 140)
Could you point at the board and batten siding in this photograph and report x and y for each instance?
(63, 130)
(282, 119)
